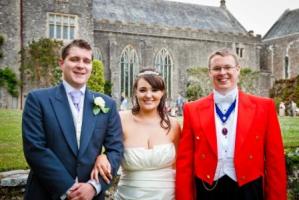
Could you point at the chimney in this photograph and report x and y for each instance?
(222, 4)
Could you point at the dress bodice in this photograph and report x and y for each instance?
(147, 173)
(160, 156)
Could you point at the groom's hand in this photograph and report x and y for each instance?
(81, 191)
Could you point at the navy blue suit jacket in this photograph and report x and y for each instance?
(50, 145)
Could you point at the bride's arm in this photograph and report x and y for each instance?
(176, 131)
(102, 167)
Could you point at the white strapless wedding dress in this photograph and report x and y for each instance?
(147, 174)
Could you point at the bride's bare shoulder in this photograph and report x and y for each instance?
(125, 114)
(175, 124)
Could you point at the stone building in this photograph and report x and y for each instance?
(22, 21)
(170, 36)
(128, 35)
(281, 47)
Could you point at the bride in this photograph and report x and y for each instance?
(150, 140)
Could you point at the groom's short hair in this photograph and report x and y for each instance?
(223, 52)
(75, 43)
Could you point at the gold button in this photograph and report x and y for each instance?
(257, 137)
(197, 137)
(208, 176)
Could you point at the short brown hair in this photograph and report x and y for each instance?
(223, 53)
(75, 43)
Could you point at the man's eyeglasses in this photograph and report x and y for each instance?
(226, 68)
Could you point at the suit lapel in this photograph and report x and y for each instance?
(89, 121)
(65, 118)
(246, 112)
(207, 121)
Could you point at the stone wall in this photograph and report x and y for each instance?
(13, 183)
(188, 48)
(35, 26)
(6, 100)
(36, 22)
(276, 50)
(35, 17)
(10, 30)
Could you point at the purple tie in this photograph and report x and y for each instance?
(76, 97)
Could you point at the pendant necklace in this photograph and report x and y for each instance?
(224, 116)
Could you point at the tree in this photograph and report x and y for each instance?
(193, 92)
(248, 81)
(40, 62)
(108, 87)
(96, 81)
(199, 83)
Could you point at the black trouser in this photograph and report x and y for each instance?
(227, 188)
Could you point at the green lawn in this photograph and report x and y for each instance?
(290, 131)
(11, 153)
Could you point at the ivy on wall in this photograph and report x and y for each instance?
(9, 80)
(40, 62)
(40, 66)
(285, 90)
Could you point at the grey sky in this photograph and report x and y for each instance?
(256, 15)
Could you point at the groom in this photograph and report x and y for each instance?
(64, 130)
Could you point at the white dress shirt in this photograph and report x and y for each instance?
(226, 143)
(78, 118)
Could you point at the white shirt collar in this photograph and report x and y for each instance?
(69, 88)
(227, 98)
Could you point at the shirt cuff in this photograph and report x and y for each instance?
(96, 186)
(63, 197)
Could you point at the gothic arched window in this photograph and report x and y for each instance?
(129, 67)
(286, 67)
(164, 64)
(97, 54)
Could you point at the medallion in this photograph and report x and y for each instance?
(224, 131)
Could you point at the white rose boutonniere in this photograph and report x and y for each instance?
(99, 106)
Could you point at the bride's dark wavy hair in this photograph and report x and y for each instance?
(156, 81)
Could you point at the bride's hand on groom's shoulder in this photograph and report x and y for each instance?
(102, 167)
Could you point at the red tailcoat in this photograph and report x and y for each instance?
(258, 147)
